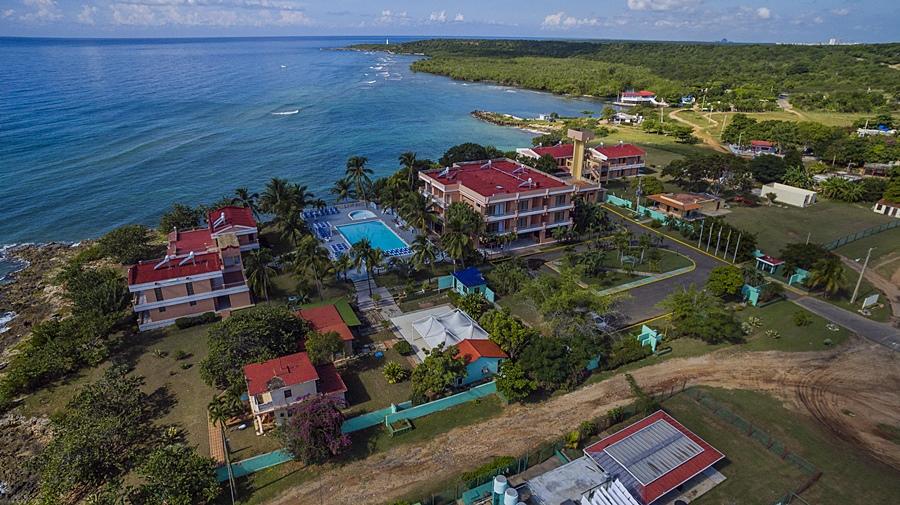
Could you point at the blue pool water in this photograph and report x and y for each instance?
(379, 235)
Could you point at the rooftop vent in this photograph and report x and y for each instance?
(220, 220)
(188, 258)
(162, 262)
(444, 172)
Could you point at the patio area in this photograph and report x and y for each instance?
(326, 224)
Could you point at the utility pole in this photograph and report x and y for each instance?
(807, 236)
(861, 273)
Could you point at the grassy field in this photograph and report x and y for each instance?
(367, 389)
(842, 298)
(266, 484)
(885, 257)
(756, 475)
(825, 221)
(660, 149)
(178, 378)
(779, 316)
(712, 122)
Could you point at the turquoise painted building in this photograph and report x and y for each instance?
(483, 358)
(466, 282)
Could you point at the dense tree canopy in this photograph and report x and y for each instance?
(697, 313)
(468, 152)
(437, 374)
(313, 433)
(127, 244)
(176, 475)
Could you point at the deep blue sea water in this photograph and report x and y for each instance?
(96, 134)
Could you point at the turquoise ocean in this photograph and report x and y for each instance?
(99, 133)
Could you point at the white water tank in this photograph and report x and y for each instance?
(511, 497)
(500, 484)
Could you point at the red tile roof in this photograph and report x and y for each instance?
(643, 92)
(770, 260)
(291, 369)
(761, 143)
(620, 151)
(145, 271)
(473, 349)
(558, 151)
(674, 477)
(496, 178)
(183, 242)
(330, 381)
(326, 318)
(234, 216)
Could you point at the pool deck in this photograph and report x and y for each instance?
(342, 217)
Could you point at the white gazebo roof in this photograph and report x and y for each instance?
(449, 328)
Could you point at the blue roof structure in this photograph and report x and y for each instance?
(470, 277)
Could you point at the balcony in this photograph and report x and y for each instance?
(567, 206)
(499, 217)
(218, 290)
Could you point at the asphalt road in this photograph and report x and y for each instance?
(881, 333)
(642, 304)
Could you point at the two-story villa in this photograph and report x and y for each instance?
(607, 163)
(277, 386)
(201, 272)
(512, 197)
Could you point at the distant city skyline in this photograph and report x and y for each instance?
(810, 21)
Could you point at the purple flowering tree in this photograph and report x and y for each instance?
(313, 433)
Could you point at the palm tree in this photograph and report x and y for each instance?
(622, 241)
(310, 257)
(418, 210)
(408, 161)
(342, 264)
(244, 198)
(258, 271)
(292, 227)
(277, 191)
(424, 253)
(645, 242)
(827, 273)
(358, 174)
(559, 233)
(343, 190)
(360, 253)
(456, 243)
(375, 260)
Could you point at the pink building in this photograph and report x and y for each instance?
(562, 153)
(201, 272)
(513, 198)
(615, 161)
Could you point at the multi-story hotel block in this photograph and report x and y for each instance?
(513, 198)
(601, 163)
(201, 272)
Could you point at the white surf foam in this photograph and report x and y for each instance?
(286, 113)
(5, 319)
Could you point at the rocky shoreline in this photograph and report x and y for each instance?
(30, 292)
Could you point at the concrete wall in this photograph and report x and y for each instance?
(481, 369)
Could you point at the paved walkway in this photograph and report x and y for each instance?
(216, 443)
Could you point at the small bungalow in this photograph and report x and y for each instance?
(798, 197)
(466, 282)
(482, 357)
(686, 206)
(637, 97)
(768, 264)
(759, 147)
(327, 318)
(275, 387)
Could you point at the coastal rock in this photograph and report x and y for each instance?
(21, 439)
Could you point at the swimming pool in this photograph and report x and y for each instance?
(359, 215)
(378, 233)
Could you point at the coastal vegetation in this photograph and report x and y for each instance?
(748, 77)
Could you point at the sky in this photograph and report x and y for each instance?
(702, 20)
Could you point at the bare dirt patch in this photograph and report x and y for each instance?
(861, 378)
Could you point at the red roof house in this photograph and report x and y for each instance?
(474, 349)
(619, 151)
(290, 370)
(325, 319)
(497, 177)
(170, 268)
(653, 456)
(230, 216)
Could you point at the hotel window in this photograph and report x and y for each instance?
(522, 222)
(559, 217)
(158, 293)
(162, 309)
(560, 200)
(190, 288)
(288, 394)
(523, 205)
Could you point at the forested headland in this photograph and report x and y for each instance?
(747, 77)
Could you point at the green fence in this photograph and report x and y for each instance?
(861, 234)
(442, 404)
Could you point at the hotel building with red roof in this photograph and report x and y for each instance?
(561, 153)
(607, 163)
(201, 272)
(276, 386)
(512, 197)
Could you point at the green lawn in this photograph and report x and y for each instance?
(428, 300)
(885, 257)
(287, 284)
(661, 149)
(712, 122)
(755, 475)
(825, 221)
(367, 389)
(779, 316)
(265, 485)
(842, 298)
(189, 394)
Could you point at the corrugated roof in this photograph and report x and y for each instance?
(470, 277)
(653, 451)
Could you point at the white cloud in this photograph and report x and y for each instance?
(41, 11)
(86, 16)
(763, 13)
(389, 17)
(218, 13)
(843, 11)
(561, 21)
(459, 17)
(439, 17)
(8, 13)
(661, 5)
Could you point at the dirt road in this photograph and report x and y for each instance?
(860, 378)
(698, 131)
